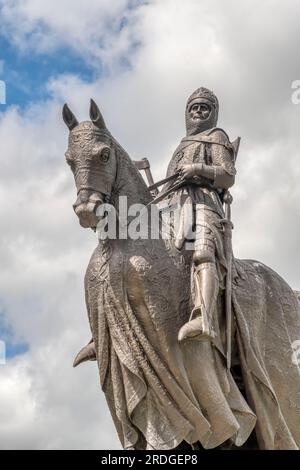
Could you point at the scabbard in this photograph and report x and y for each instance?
(228, 289)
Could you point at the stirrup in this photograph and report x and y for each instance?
(193, 329)
(196, 313)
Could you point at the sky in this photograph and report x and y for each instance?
(140, 60)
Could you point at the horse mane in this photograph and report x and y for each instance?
(123, 161)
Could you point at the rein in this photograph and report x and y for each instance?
(116, 184)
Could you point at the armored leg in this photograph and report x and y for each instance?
(206, 283)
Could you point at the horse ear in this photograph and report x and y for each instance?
(69, 117)
(96, 116)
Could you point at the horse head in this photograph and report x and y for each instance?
(102, 169)
(93, 162)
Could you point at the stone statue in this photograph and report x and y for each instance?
(194, 347)
(205, 163)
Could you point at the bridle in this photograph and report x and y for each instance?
(107, 198)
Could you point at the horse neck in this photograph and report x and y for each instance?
(130, 184)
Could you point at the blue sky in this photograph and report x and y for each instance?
(26, 75)
(42, 312)
(13, 346)
(27, 66)
(26, 72)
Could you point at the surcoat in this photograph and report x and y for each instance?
(200, 200)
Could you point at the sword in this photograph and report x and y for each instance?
(165, 180)
(163, 194)
(228, 226)
(145, 165)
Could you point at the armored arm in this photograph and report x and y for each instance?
(215, 173)
(222, 171)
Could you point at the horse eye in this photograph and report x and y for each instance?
(104, 155)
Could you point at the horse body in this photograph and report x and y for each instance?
(161, 392)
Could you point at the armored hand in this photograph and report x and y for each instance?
(190, 170)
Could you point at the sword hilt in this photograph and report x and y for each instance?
(227, 199)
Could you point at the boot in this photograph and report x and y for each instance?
(194, 329)
(207, 287)
(87, 353)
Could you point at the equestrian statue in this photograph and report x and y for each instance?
(194, 347)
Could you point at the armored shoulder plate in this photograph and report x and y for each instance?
(222, 151)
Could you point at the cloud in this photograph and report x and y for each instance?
(101, 31)
(49, 409)
(44, 255)
(172, 47)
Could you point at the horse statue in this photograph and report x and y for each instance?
(163, 393)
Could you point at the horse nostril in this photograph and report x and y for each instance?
(85, 208)
(76, 203)
(81, 198)
(86, 215)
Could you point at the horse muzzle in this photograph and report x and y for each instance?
(86, 206)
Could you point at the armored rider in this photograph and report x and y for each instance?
(204, 161)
